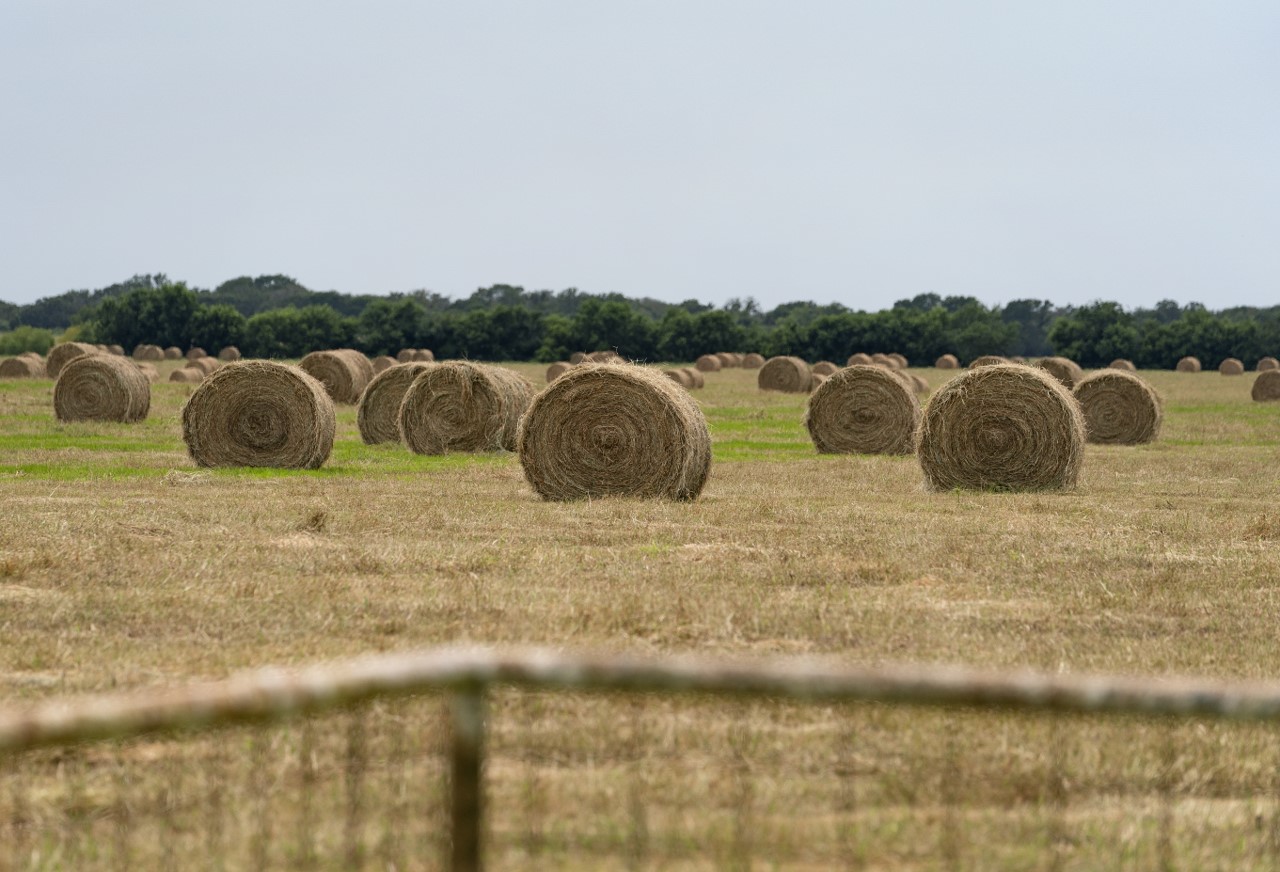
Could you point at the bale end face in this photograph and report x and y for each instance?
(462, 406)
(787, 374)
(1266, 387)
(100, 387)
(862, 410)
(1119, 408)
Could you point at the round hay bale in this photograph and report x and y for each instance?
(117, 350)
(361, 363)
(1122, 364)
(340, 373)
(884, 360)
(259, 413)
(1002, 427)
(863, 410)
(752, 361)
(34, 355)
(577, 357)
(1267, 363)
(1266, 387)
(708, 363)
(21, 367)
(424, 355)
(147, 369)
(405, 355)
(615, 431)
(196, 353)
(727, 360)
(987, 360)
(680, 377)
(816, 379)
(230, 354)
(919, 384)
(205, 365)
(1119, 408)
(382, 363)
(173, 352)
(1188, 364)
(1063, 369)
(695, 377)
(788, 374)
(101, 387)
(947, 361)
(191, 375)
(462, 406)
(859, 359)
(63, 353)
(605, 356)
(557, 369)
(148, 352)
(824, 367)
(378, 415)
(1231, 366)
(899, 359)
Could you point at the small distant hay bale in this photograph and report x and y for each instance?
(607, 355)
(406, 355)
(577, 357)
(148, 352)
(557, 369)
(947, 361)
(117, 350)
(63, 353)
(680, 377)
(1231, 366)
(1063, 369)
(752, 361)
(424, 355)
(1119, 408)
(382, 363)
(920, 384)
(709, 363)
(884, 360)
(863, 410)
(340, 373)
(378, 415)
(815, 380)
(899, 359)
(1122, 364)
(788, 374)
(196, 353)
(727, 360)
(1017, 358)
(230, 354)
(619, 430)
(173, 352)
(101, 387)
(695, 377)
(987, 360)
(259, 413)
(462, 406)
(22, 367)
(1267, 363)
(859, 359)
(205, 365)
(187, 375)
(824, 367)
(147, 369)
(1266, 387)
(1001, 427)
(1188, 364)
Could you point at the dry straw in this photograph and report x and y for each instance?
(424, 355)
(1267, 363)
(987, 360)
(117, 350)
(816, 379)
(709, 363)
(557, 369)
(147, 369)
(378, 416)
(382, 363)
(1119, 408)
(1003, 427)
(340, 373)
(196, 353)
(859, 359)
(680, 377)
(462, 406)
(22, 367)
(187, 375)
(695, 378)
(605, 356)
(101, 387)
(863, 410)
(1266, 387)
(752, 361)
(788, 374)
(1188, 364)
(205, 365)
(1231, 366)
(1063, 369)
(899, 359)
(824, 367)
(148, 352)
(920, 384)
(406, 355)
(947, 361)
(259, 413)
(577, 357)
(230, 354)
(63, 353)
(1122, 364)
(727, 360)
(615, 430)
(884, 360)
(173, 352)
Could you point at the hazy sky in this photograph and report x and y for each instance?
(838, 151)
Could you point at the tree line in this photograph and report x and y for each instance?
(275, 316)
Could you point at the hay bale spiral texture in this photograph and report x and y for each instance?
(1266, 387)
(1231, 366)
(862, 410)
(1119, 408)
(463, 406)
(101, 387)
(1003, 427)
(788, 374)
(615, 430)
(339, 372)
(1188, 364)
(63, 353)
(378, 415)
(259, 413)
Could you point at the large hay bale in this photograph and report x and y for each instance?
(191, 375)
(1119, 408)
(708, 363)
(196, 353)
(22, 367)
(557, 369)
(752, 361)
(1122, 364)
(987, 360)
(615, 430)
(63, 353)
(680, 377)
(788, 374)
(462, 406)
(340, 373)
(382, 363)
(230, 354)
(1001, 427)
(1266, 387)
(259, 413)
(1267, 363)
(863, 410)
(148, 352)
(824, 367)
(947, 361)
(147, 369)
(859, 359)
(1231, 366)
(1188, 364)
(101, 387)
(1063, 369)
(695, 377)
(378, 415)
(173, 352)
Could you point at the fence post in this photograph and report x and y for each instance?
(466, 799)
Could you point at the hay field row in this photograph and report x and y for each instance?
(123, 566)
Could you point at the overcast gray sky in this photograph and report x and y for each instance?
(848, 151)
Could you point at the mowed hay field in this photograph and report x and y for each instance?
(123, 566)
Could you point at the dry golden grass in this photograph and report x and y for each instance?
(123, 566)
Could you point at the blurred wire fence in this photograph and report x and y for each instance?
(458, 759)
